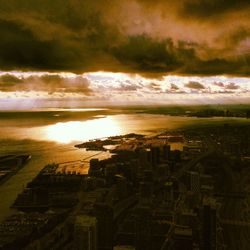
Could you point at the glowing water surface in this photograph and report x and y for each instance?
(83, 131)
(99, 126)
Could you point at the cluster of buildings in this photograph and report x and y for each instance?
(145, 197)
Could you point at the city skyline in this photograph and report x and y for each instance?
(124, 124)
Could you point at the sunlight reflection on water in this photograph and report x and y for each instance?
(75, 130)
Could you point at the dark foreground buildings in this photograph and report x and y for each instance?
(145, 197)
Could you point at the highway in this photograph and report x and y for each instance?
(192, 163)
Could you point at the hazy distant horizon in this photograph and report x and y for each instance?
(87, 108)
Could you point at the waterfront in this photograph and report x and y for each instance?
(52, 140)
(145, 185)
(65, 127)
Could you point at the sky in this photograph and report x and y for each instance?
(103, 52)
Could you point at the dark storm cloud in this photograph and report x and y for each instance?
(194, 85)
(212, 8)
(227, 87)
(232, 86)
(237, 36)
(143, 54)
(155, 86)
(174, 87)
(219, 84)
(53, 36)
(126, 86)
(135, 36)
(9, 80)
(46, 83)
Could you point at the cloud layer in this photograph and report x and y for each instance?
(50, 83)
(101, 88)
(152, 38)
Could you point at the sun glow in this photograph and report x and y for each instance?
(82, 131)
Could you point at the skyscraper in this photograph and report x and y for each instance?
(209, 228)
(143, 228)
(85, 233)
(104, 215)
(194, 182)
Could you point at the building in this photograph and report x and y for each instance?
(143, 225)
(145, 193)
(94, 167)
(85, 233)
(104, 215)
(155, 153)
(183, 238)
(124, 248)
(169, 193)
(209, 228)
(166, 152)
(194, 182)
